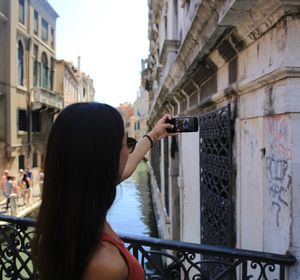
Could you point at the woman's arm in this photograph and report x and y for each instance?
(143, 146)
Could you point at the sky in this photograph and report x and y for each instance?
(111, 37)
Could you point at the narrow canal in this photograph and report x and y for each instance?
(132, 211)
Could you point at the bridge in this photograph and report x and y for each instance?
(161, 259)
(18, 208)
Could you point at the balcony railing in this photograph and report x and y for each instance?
(161, 259)
(42, 96)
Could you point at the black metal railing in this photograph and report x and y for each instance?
(161, 259)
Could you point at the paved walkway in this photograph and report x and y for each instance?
(22, 210)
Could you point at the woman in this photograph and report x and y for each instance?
(24, 184)
(87, 157)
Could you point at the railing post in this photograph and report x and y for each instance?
(13, 204)
(282, 272)
(244, 270)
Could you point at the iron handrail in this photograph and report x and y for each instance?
(161, 259)
(209, 249)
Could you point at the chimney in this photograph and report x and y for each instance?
(78, 63)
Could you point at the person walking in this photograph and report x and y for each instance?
(87, 157)
(24, 184)
(4, 179)
(40, 181)
(8, 189)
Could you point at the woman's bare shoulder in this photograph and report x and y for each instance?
(106, 264)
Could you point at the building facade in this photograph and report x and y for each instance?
(127, 112)
(28, 99)
(66, 82)
(236, 66)
(73, 84)
(141, 105)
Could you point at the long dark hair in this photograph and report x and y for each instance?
(81, 174)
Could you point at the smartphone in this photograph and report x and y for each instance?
(183, 124)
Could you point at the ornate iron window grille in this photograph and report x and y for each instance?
(155, 162)
(161, 259)
(216, 184)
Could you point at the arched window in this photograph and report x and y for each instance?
(51, 76)
(44, 71)
(21, 162)
(20, 64)
(35, 160)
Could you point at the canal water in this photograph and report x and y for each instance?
(132, 211)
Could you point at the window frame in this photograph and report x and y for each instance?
(22, 119)
(21, 162)
(22, 11)
(36, 22)
(36, 122)
(45, 31)
(44, 71)
(20, 63)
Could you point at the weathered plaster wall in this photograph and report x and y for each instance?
(294, 271)
(251, 185)
(190, 178)
(278, 186)
(267, 130)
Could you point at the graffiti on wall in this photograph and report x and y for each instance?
(278, 161)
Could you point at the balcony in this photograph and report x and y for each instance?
(42, 97)
(161, 259)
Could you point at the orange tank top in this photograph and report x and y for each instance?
(135, 270)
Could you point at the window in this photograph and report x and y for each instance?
(22, 11)
(209, 87)
(35, 65)
(175, 22)
(52, 74)
(36, 121)
(44, 31)
(20, 64)
(232, 66)
(166, 27)
(21, 162)
(44, 71)
(35, 160)
(52, 38)
(36, 23)
(22, 120)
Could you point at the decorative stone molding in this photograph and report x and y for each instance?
(184, 2)
(168, 46)
(3, 18)
(220, 27)
(245, 86)
(45, 97)
(46, 6)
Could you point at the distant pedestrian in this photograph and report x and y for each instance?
(4, 179)
(40, 180)
(28, 172)
(8, 189)
(24, 183)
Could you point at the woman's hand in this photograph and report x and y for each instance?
(142, 147)
(160, 129)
